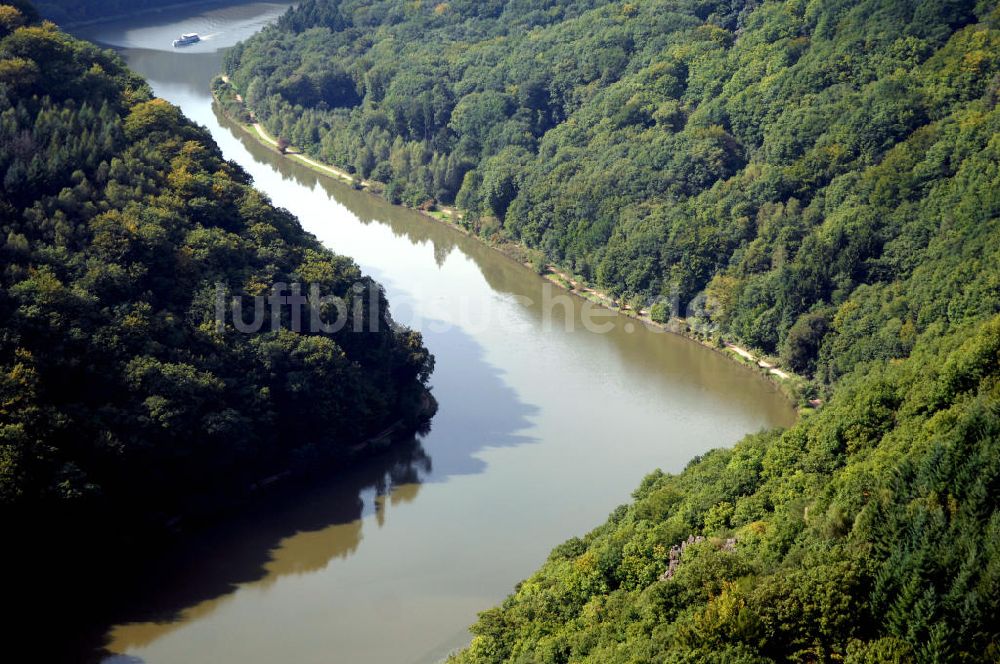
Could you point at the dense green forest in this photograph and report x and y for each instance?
(118, 388)
(807, 178)
(868, 533)
(818, 180)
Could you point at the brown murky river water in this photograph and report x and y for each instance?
(542, 429)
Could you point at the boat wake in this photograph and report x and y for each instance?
(223, 27)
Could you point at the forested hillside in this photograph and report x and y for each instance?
(868, 533)
(820, 172)
(823, 179)
(118, 388)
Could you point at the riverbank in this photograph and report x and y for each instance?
(797, 389)
(473, 502)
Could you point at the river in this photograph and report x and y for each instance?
(542, 429)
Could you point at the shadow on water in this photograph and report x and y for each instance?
(302, 530)
(667, 360)
(147, 591)
(289, 531)
(644, 354)
(155, 67)
(463, 377)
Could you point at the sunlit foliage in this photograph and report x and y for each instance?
(826, 174)
(826, 169)
(119, 219)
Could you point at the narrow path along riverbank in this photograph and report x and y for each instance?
(300, 156)
(542, 428)
(792, 385)
(763, 364)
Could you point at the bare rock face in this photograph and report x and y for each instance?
(677, 550)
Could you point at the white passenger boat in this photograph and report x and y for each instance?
(189, 38)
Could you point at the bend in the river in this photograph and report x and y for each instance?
(541, 431)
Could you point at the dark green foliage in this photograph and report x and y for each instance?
(826, 174)
(823, 168)
(118, 219)
(804, 340)
(869, 532)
